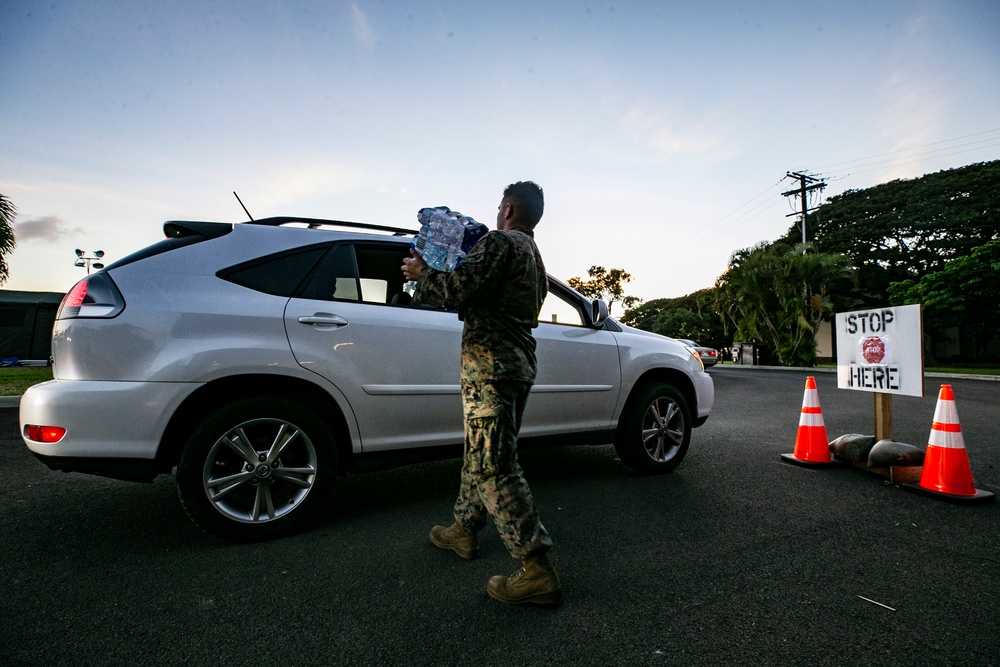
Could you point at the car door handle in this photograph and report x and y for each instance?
(323, 319)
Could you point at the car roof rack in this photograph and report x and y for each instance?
(316, 223)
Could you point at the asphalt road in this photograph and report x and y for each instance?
(734, 559)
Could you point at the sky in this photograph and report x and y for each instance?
(661, 132)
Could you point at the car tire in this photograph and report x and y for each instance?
(655, 430)
(256, 468)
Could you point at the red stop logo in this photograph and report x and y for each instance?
(873, 349)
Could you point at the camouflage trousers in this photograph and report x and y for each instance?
(492, 480)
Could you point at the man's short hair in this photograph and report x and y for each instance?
(528, 200)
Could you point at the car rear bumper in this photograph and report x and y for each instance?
(130, 470)
(115, 421)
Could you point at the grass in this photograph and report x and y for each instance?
(13, 381)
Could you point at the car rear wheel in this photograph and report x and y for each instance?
(256, 468)
(655, 430)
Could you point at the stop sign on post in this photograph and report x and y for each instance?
(881, 350)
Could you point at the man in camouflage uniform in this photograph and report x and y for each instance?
(498, 288)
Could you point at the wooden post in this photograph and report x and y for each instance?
(883, 416)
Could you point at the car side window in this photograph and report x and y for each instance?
(335, 278)
(379, 272)
(366, 272)
(557, 309)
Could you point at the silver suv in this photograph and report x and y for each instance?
(263, 359)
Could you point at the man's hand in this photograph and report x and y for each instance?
(412, 266)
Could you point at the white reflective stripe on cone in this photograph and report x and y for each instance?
(811, 419)
(946, 435)
(946, 431)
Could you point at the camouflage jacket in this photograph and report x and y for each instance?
(498, 290)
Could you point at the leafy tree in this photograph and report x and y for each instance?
(906, 229)
(963, 294)
(7, 241)
(606, 285)
(777, 294)
(692, 316)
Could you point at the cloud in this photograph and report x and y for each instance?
(362, 28)
(263, 187)
(45, 228)
(659, 134)
(915, 93)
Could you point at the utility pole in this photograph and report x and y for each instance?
(806, 184)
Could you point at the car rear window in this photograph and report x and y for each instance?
(279, 274)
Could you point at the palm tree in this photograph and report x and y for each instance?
(7, 241)
(777, 294)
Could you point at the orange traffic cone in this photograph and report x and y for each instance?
(811, 446)
(947, 473)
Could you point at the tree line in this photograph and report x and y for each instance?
(933, 240)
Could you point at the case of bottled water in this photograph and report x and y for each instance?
(446, 237)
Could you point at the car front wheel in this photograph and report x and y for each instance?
(255, 468)
(655, 429)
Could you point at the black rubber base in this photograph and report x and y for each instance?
(978, 499)
(790, 458)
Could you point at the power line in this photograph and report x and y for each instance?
(912, 148)
(723, 224)
(933, 153)
(900, 163)
(736, 222)
(746, 217)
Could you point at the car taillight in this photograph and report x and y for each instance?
(713, 353)
(94, 296)
(48, 434)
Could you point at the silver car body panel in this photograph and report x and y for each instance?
(407, 378)
(400, 381)
(643, 351)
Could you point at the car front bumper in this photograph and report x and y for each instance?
(704, 387)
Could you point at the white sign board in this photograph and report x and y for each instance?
(881, 350)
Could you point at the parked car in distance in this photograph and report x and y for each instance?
(709, 356)
(262, 359)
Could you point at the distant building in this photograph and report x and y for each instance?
(26, 320)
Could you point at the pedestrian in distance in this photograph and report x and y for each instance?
(498, 289)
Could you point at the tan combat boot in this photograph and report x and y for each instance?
(535, 583)
(454, 538)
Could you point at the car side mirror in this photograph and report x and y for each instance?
(598, 312)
